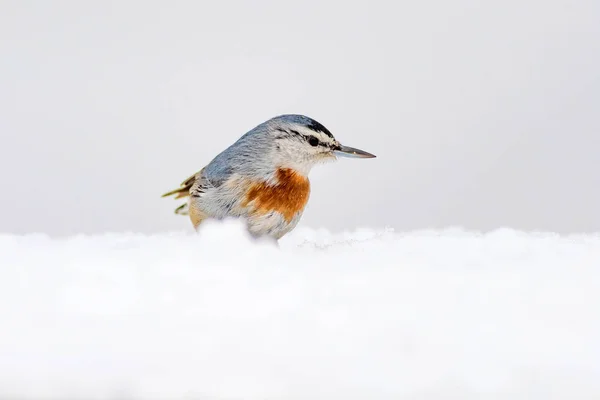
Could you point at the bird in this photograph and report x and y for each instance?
(262, 178)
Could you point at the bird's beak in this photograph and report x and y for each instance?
(351, 152)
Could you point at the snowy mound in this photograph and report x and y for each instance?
(367, 315)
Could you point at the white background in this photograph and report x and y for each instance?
(482, 114)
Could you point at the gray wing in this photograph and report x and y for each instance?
(209, 178)
(211, 194)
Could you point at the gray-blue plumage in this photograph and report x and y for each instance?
(292, 143)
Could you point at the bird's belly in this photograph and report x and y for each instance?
(273, 224)
(259, 222)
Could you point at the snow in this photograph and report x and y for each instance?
(445, 314)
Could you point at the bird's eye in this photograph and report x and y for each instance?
(313, 141)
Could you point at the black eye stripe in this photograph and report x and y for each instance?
(312, 140)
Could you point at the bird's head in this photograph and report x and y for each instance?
(300, 142)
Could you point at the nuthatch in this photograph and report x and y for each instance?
(263, 177)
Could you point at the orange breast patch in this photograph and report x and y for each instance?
(288, 196)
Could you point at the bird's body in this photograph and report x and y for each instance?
(263, 177)
(272, 206)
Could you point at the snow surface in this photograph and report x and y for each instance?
(365, 315)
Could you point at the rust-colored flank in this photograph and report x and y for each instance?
(288, 196)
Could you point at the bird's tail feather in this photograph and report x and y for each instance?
(181, 192)
(182, 209)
